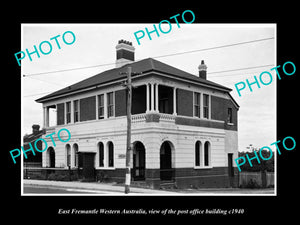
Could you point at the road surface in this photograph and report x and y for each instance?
(30, 189)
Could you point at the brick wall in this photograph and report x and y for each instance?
(88, 108)
(184, 102)
(198, 123)
(219, 111)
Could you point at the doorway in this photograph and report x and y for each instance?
(139, 161)
(88, 159)
(165, 99)
(230, 169)
(51, 155)
(166, 171)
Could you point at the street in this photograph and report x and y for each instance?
(29, 189)
(83, 188)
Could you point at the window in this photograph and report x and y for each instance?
(110, 104)
(197, 153)
(101, 106)
(229, 115)
(68, 154)
(101, 154)
(206, 153)
(197, 104)
(76, 111)
(206, 106)
(75, 153)
(110, 154)
(68, 112)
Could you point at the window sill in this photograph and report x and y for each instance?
(71, 168)
(202, 167)
(105, 168)
(230, 124)
(205, 119)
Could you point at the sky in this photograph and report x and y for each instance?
(95, 45)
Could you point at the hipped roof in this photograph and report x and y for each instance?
(142, 66)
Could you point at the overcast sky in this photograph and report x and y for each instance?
(95, 45)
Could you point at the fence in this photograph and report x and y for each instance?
(256, 179)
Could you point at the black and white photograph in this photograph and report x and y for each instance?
(149, 111)
(163, 113)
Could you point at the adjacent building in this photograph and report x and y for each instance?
(30, 159)
(184, 127)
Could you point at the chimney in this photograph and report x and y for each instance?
(35, 128)
(202, 70)
(125, 53)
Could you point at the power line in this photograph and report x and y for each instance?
(46, 81)
(161, 56)
(245, 68)
(224, 71)
(25, 96)
(216, 47)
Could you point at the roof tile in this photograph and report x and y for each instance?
(115, 74)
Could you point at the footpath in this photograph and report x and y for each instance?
(106, 187)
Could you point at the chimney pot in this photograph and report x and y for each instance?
(125, 53)
(35, 128)
(202, 70)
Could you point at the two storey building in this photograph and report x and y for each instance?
(184, 127)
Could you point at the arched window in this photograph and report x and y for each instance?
(75, 155)
(207, 154)
(101, 154)
(110, 154)
(198, 153)
(68, 155)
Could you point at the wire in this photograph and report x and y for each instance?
(217, 47)
(246, 68)
(224, 71)
(25, 96)
(161, 56)
(47, 81)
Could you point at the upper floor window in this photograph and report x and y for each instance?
(229, 115)
(197, 104)
(206, 106)
(76, 111)
(101, 106)
(110, 104)
(68, 112)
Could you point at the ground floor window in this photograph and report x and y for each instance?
(198, 153)
(110, 154)
(202, 154)
(207, 154)
(101, 154)
(75, 155)
(68, 154)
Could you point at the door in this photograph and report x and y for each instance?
(88, 166)
(139, 162)
(166, 171)
(230, 169)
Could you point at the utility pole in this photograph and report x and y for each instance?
(128, 144)
(129, 87)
